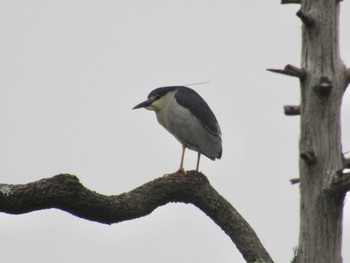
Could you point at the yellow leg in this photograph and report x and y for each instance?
(198, 159)
(181, 169)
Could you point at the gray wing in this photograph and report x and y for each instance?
(191, 100)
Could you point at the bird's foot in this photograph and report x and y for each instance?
(180, 171)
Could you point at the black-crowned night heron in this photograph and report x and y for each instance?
(188, 117)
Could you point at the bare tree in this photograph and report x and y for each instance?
(323, 184)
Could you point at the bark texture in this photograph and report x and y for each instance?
(321, 159)
(65, 192)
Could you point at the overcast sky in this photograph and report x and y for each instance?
(70, 73)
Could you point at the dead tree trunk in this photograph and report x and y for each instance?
(323, 80)
(321, 207)
(322, 89)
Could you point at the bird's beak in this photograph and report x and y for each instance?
(144, 104)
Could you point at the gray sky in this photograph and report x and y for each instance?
(70, 72)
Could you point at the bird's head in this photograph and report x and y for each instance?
(157, 98)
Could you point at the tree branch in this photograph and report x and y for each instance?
(294, 180)
(66, 193)
(291, 110)
(347, 74)
(339, 183)
(291, 2)
(347, 163)
(290, 70)
(307, 18)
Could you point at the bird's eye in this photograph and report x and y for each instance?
(157, 97)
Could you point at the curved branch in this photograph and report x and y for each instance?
(65, 192)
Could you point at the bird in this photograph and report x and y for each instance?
(186, 115)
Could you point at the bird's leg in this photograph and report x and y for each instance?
(181, 169)
(198, 159)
